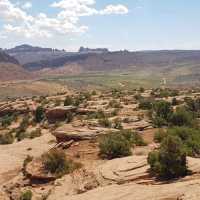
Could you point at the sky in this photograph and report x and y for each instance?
(114, 24)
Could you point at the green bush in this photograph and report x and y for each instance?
(39, 114)
(145, 104)
(68, 101)
(133, 137)
(35, 133)
(170, 161)
(114, 146)
(182, 118)
(114, 104)
(190, 138)
(160, 135)
(27, 195)
(118, 144)
(6, 138)
(55, 162)
(6, 120)
(105, 122)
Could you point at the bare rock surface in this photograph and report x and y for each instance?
(12, 156)
(68, 132)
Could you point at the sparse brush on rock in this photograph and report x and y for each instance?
(26, 195)
(35, 133)
(105, 122)
(6, 138)
(39, 114)
(56, 163)
(68, 101)
(170, 160)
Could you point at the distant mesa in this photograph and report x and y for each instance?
(97, 50)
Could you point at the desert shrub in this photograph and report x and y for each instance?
(26, 195)
(6, 120)
(114, 146)
(94, 93)
(69, 117)
(141, 89)
(39, 114)
(55, 162)
(170, 161)
(161, 112)
(190, 138)
(133, 137)
(27, 160)
(114, 104)
(182, 118)
(35, 133)
(193, 105)
(175, 102)
(117, 123)
(105, 122)
(160, 135)
(20, 135)
(6, 138)
(68, 101)
(145, 104)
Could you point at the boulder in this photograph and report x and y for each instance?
(59, 113)
(67, 132)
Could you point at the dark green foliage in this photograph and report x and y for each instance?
(161, 112)
(27, 195)
(114, 146)
(6, 138)
(174, 102)
(170, 161)
(133, 137)
(39, 114)
(182, 118)
(190, 138)
(118, 144)
(68, 101)
(7, 120)
(160, 135)
(145, 104)
(55, 162)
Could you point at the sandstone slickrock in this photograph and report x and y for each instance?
(67, 132)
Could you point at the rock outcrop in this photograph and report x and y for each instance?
(59, 113)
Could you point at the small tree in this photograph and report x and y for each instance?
(39, 114)
(170, 161)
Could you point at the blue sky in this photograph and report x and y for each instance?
(116, 24)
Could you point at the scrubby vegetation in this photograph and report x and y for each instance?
(56, 163)
(170, 160)
(118, 144)
(26, 195)
(190, 138)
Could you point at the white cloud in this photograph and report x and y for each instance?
(27, 5)
(67, 21)
(114, 9)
